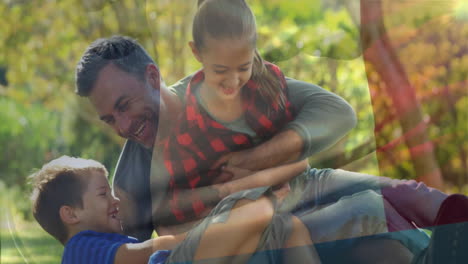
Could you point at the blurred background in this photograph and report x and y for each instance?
(401, 64)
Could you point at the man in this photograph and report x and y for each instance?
(130, 95)
(127, 90)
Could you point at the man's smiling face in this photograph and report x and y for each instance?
(129, 105)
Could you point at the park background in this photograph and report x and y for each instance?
(404, 71)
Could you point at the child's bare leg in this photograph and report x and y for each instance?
(299, 248)
(239, 235)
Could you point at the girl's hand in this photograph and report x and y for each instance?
(223, 189)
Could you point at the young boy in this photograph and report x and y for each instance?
(73, 202)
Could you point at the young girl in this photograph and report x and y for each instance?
(236, 101)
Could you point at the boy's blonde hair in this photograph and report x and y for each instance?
(61, 182)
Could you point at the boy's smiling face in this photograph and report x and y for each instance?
(100, 206)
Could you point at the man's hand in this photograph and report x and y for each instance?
(236, 172)
(231, 173)
(233, 159)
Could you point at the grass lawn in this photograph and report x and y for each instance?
(23, 241)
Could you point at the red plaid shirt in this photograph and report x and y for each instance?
(199, 141)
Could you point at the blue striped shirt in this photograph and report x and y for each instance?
(94, 247)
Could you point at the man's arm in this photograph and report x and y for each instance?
(322, 119)
(267, 177)
(284, 147)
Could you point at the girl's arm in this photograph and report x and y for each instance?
(268, 177)
(240, 235)
(141, 252)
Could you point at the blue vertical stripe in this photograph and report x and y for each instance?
(93, 247)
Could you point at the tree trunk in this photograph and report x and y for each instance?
(378, 52)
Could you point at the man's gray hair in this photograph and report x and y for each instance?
(123, 52)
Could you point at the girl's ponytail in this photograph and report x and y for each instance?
(270, 85)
